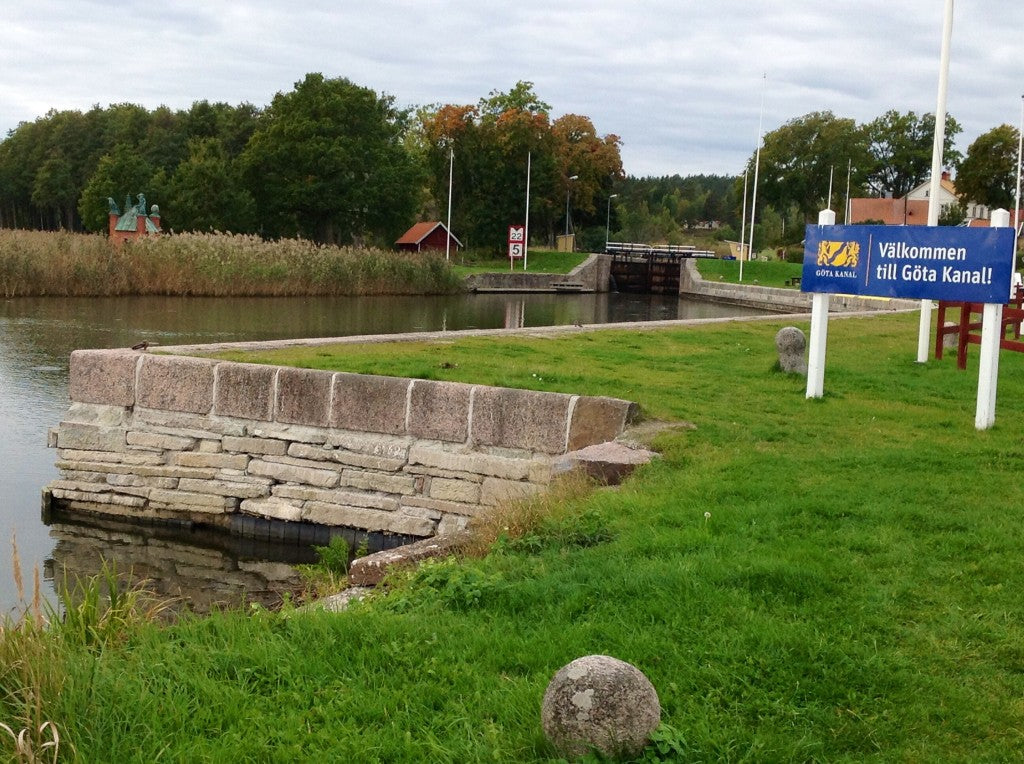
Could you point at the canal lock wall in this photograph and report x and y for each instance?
(159, 438)
(692, 284)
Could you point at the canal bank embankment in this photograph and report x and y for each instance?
(695, 286)
(811, 535)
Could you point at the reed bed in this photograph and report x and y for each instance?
(42, 263)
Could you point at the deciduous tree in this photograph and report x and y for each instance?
(901, 150)
(988, 174)
(798, 159)
(327, 162)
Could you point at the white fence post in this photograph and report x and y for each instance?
(991, 334)
(819, 330)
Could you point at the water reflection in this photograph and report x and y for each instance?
(37, 336)
(515, 314)
(198, 570)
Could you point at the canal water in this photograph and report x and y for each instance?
(37, 336)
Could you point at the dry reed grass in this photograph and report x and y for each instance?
(42, 263)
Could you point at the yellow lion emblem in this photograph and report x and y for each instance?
(844, 254)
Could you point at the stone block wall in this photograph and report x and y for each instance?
(154, 437)
(692, 284)
(592, 274)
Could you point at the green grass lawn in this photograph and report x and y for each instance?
(537, 261)
(771, 273)
(829, 580)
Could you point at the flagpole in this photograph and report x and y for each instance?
(846, 208)
(743, 217)
(526, 229)
(757, 169)
(1020, 161)
(925, 327)
(448, 237)
(831, 173)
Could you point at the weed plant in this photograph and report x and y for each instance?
(801, 580)
(37, 263)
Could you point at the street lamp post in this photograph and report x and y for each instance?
(608, 221)
(568, 190)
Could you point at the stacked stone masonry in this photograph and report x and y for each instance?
(173, 437)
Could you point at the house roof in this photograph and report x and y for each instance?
(1016, 218)
(921, 189)
(420, 231)
(889, 211)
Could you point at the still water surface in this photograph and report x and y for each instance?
(37, 336)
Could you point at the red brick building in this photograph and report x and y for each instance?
(135, 222)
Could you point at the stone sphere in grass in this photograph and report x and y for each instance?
(599, 703)
(791, 344)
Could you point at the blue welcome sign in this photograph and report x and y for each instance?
(917, 262)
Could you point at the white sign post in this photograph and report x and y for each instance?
(819, 330)
(991, 334)
(516, 244)
(964, 265)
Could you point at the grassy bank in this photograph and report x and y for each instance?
(38, 263)
(833, 580)
(538, 261)
(766, 273)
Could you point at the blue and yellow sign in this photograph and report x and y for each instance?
(916, 262)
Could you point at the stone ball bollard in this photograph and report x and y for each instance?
(600, 703)
(950, 340)
(791, 344)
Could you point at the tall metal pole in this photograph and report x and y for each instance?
(448, 237)
(608, 221)
(526, 229)
(743, 216)
(1020, 161)
(846, 208)
(757, 169)
(831, 173)
(925, 327)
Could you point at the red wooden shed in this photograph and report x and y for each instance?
(427, 236)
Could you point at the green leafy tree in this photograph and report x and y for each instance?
(327, 162)
(952, 214)
(120, 173)
(54, 189)
(594, 160)
(901, 150)
(491, 142)
(798, 159)
(988, 173)
(520, 98)
(206, 192)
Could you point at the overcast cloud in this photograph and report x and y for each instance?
(679, 81)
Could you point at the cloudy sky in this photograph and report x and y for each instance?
(681, 82)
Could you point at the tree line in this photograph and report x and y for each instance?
(888, 156)
(328, 161)
(337, 163)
